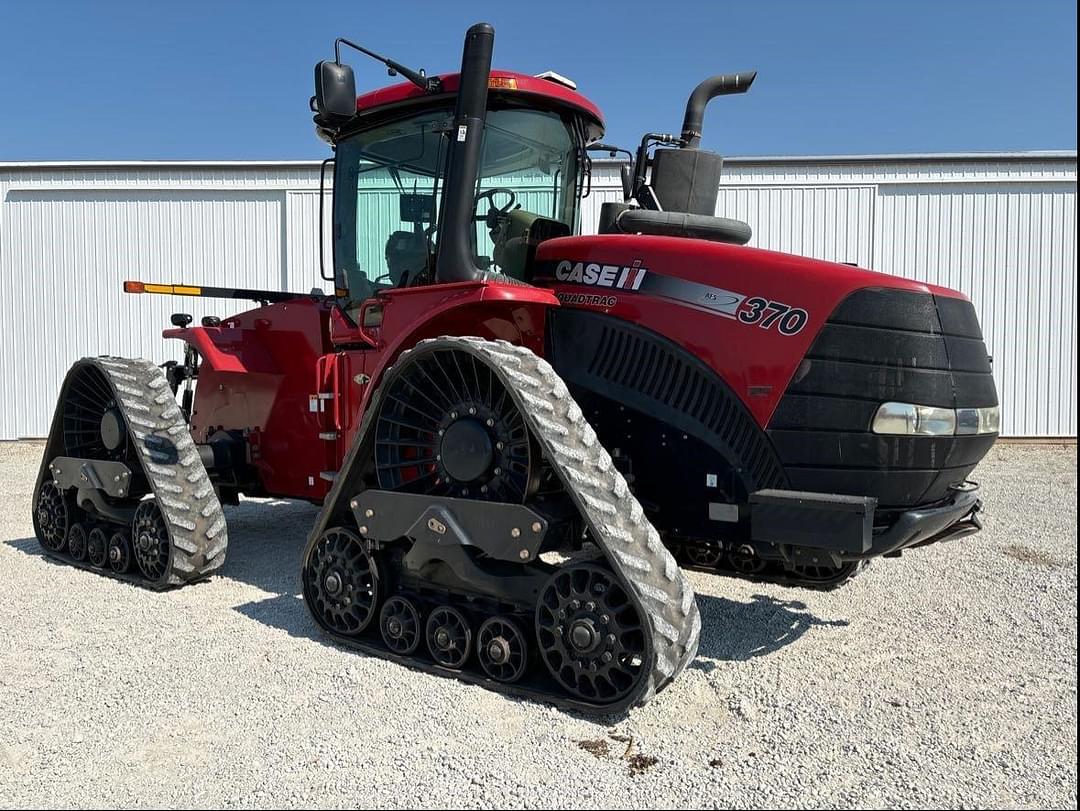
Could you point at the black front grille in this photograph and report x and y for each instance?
(645, 371)
(878, 346)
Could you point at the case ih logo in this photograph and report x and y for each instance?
(597, 275)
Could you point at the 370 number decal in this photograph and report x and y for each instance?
(768, 314)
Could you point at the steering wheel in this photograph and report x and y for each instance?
(494, 212)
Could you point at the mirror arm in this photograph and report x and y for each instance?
(429, 84)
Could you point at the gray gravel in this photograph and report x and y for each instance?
(945, 678)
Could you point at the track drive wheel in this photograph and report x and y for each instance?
(52, 516)
(341, 582)
(591, 636)
(150, 536)
(449, 637)
(502, 649)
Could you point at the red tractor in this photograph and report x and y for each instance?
(491, 500)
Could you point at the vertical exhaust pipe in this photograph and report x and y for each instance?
(455, 261)
(723, 85)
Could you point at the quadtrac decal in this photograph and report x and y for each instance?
(765, 313)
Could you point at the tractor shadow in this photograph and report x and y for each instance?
(737, 631)
(266, 544)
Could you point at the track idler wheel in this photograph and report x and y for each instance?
(449, 637)
(97, 547)
(150, 536)
(745, 560)
(502, 649)
(399, 624)
(341, 582)
(705, 553)
(76, 542)
(120, 552)
(52, 516)
(824, 574)
(590, 634)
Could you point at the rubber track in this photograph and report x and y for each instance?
(617, 523)
(185, 495)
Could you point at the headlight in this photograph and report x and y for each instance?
(978, 420)
(917, 420)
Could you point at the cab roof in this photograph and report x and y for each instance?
(500, 82)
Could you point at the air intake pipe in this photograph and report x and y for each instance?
(724, 85)
(455, 261)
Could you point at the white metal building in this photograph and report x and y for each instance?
(1000, 227)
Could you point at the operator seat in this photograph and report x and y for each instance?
(407, 258)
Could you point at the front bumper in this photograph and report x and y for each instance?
(956, 517)
(850, 528)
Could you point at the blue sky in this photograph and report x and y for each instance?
(231, 80)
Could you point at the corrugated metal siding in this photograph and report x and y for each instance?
(1001, 230)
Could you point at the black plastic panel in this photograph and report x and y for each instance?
(958, 317)
(670, 416)
(889, 309)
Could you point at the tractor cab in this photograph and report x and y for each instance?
(394, 179)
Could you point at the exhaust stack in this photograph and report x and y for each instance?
(725, 84)
(455, 261)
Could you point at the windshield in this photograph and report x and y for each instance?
(388, 184)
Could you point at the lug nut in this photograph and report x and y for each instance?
(368, 513)
(524, 554)
(575, 604)
(536, 527)
(590, 606)
(363, 530)
(497, 471)
(498, 446)
(472, 410)
(354, 503)
(607, 656)
(515, 533)
(489, 422)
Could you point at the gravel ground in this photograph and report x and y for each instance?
(945, 678)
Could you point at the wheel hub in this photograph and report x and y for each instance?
(498, 651)
(443, 639)
(583, 636)
(466, 449)
(112, 428)
(332, 584)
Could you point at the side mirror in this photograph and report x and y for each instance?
(335, 91)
